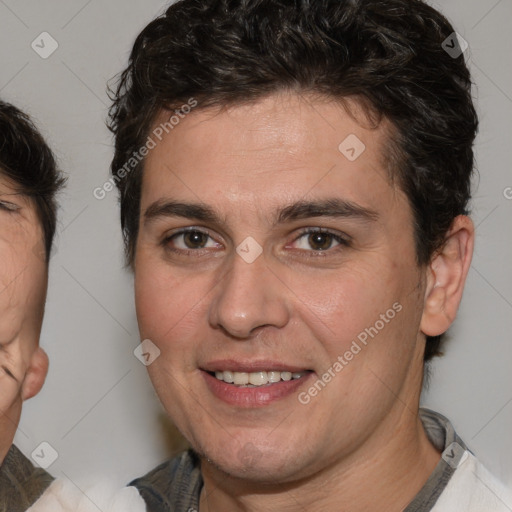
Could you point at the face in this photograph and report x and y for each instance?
(268, 252)
(23, 281)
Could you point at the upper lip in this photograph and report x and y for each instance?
(249, 366)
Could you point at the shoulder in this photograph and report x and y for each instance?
(21, 483)
(173, 485)
(474, 489)
(65, 496)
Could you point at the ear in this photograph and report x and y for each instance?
(446, 276)
(36, 374)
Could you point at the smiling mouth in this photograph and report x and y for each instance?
(257, 379)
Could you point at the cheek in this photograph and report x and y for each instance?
(22, 303)
(13, 265)
(9, 390)
(342, 304)
(35, 285)
(169, 308)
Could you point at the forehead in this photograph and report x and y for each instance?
(281, 147)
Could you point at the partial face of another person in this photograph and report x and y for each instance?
(265, 249)
(23, 283)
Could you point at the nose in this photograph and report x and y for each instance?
(249, 297)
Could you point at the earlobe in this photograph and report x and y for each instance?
(446, 277)
(36, 374)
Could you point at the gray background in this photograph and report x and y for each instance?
(98, 409)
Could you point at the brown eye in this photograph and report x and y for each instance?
(190, 240)
(320, 241)
(317, 240)
(195, 239)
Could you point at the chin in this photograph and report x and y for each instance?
(259, 472)
(254, 463)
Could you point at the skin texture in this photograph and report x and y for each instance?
(358, 444)
(23, 284)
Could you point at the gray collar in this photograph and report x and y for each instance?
(175, 485)
(442, 435)
(21, 484)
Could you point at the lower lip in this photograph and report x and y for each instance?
(256, 396)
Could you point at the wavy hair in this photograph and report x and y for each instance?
(388, 54)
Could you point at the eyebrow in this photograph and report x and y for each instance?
(170, 208)
(333, 207)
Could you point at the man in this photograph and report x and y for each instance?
(29, 181)
(294, 179)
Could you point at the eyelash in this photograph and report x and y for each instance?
(10, 207)
(344, 242)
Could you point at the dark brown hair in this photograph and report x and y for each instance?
(27, 161)
(386, 53)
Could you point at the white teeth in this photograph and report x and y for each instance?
(256, 378)
(274, 376)
(228, 376)
(240, 378)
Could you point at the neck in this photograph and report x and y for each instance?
(385, 474)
